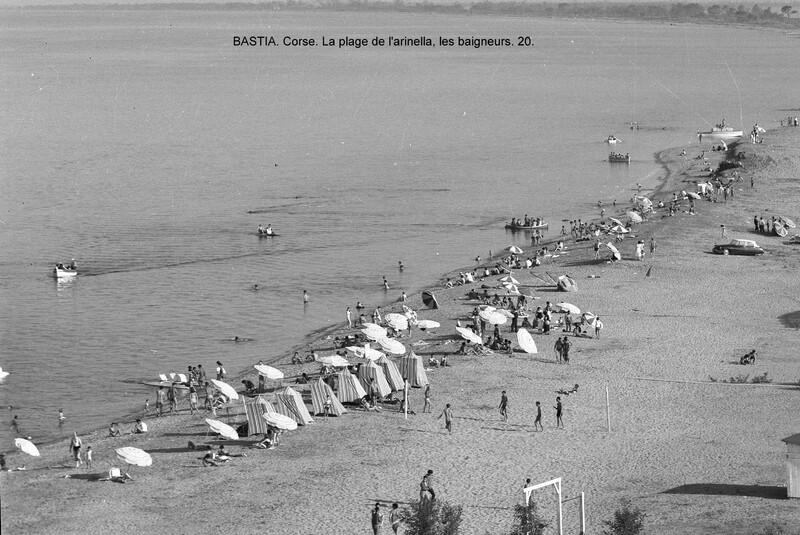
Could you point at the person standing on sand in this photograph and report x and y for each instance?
(160, 397)
(537, 423)
(640, 250)
(652, 247)
(75, 447)
(394, 517)
(220, 371)
(377, 519)
(89, 458)
(349, 315)
(597, 250)
(15, 423)
(428, 482)
(565, 345)
(723, 230)
(558, 408)
(598, 326)
(172, 396)
(427, 407)
(504, 406)
(448, 418)
(559, 347)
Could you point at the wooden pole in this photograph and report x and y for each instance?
(608, 413)
(405, 399)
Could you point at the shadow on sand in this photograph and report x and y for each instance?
(729, 489)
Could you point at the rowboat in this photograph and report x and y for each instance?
(527, 227)
(61, 272)
(619, 158)
(613, 140)
(721, 132)
(265, 234)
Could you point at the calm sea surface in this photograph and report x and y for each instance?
(139, 142)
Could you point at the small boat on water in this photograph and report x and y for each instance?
(619, 158)
(61, 271)
(721, 132)
(519, 226)
(612, 139)
(266, 231)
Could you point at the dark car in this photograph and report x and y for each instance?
(743, 247)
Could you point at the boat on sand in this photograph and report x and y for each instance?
(517, 226)
(721, 132)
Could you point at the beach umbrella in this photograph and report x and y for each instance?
(506, 313)
(496, 318)
(134, 456)
(280, 421)
(614, 250)
(514, 249)
(268, 371)
(469, 336)
(365, 352)
(373, 334)
(509, 279)
(486, 312)
(567, 307)
(429, 300)
(428, 324)
(392, 346)
(225, 388)
(619, 229)
(409, 313)
(397, 321)
(589, 318)
(223, 429)
(511, 288)
(788, 222)
(372, 327)
(525, 341)
(693, 195)
(26, 446)
(337, 361)
(616, 221)
(633, 216)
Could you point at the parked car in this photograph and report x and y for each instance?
(743, 247)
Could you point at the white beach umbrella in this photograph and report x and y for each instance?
(225, 388)
(619, 229)
(693, 195)
(337, 361)
(280, 421)
(567, 307)
(514, 249)
(614, 250)
(506, 313)
(134, 456)
(788, 222)
(392, 346)
(512, 288)
(616, 221)
(268, 371)
(525, 341)
(509, 279)
(26, 446)
(398, 322)
(365, 352)
(469, 335)
(486, 312)
(428, 324)
(372, 327)
(633, 216)
(223, 429)
(497, 318)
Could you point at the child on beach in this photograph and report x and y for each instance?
(89, 458)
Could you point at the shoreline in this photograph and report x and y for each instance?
(685, 322)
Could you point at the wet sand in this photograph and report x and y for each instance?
(696, 456)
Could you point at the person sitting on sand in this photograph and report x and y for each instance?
(211, 459)
(115, 475)
(113, 430)
(140, 427)
(248, 385)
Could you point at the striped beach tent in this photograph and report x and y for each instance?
(349, 387)
(369, 371)
(254, 408)
(392, 373)
(289, 403)
(412, 369)
(319, 391)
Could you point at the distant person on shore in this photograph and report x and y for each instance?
(377, 519)
(140, 427)
(448, 418)
(597, 250)
(89, 458)
(172, 396)
(61, 417)
(160, 398)
(558, 407)
(220, 371)
(147, 406)
(349, 315)
(400, 266)
(652, 247)
(537, 423)
(385, 284)
(598, 326)
(75, 445)
(113, 430)
(427, 406)
(504, 406)
(15, 423)
(640, 250)
(305, 297)
(394, 517)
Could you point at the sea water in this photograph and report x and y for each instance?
(146, 146)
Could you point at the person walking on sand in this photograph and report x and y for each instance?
(597, 250)
(428, 481)
(558, 408)
(504, 406)
(89, 458)
(75, 447)
(652, 247)
(537, 423)
(427, 406)
(448, 418)
(394, 517)
(377, 519)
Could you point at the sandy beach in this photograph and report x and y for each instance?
(697, 456)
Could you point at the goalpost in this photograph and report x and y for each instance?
(556, 483)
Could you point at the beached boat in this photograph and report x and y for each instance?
(516, 226)
(721, 132)
(619, 158)
(61, 272)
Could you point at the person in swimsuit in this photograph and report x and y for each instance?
(558, 408)
(75, 447)
(504, 406)
(538, 422)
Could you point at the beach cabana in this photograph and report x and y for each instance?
(793, 465)
(349, 387)
(392, 373)
(319, 391)
(289, 403)
(412, 370)
(369, 371)
(254, 408)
